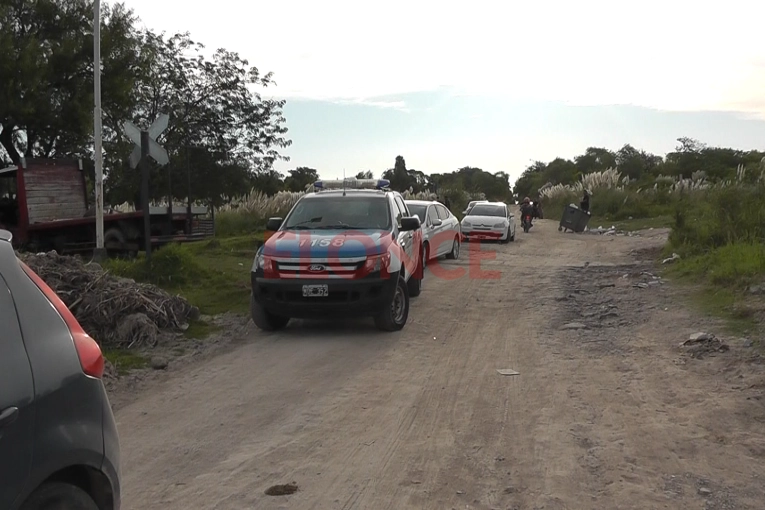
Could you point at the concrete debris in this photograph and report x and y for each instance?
(671, 259)
(700, 344)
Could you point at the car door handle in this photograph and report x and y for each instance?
(8, 416)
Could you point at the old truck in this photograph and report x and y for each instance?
(44, 204)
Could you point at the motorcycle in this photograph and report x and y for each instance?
(526, 222)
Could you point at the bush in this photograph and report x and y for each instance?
(172, 265)
(238, 222)
(719, 217)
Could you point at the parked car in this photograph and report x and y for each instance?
(441, 232)
(471, 204)
(489, 220)
(59, 447)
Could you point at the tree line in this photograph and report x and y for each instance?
(223, 137)
(690, 159)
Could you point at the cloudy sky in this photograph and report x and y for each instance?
(491, 84)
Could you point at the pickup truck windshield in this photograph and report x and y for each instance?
(487, 210)
(339, 212)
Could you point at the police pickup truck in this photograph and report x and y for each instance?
(351, 248)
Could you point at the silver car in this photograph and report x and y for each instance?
(440, 229)
(489, 220)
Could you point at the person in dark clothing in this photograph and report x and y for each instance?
(537, 209)
(527, 208)
(585, 204)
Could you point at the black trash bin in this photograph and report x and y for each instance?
(584, 219)
(574, 219)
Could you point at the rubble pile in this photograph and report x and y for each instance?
(116, 312)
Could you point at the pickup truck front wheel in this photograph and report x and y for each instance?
(265, 320)
(394, 317)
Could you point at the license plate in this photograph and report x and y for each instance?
(315, 291)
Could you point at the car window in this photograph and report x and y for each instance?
(443, 212)
(400, 210)
(418, 210)
(487, 210)
(432, 215)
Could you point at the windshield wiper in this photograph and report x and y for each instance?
(338, 226)
(300, 225)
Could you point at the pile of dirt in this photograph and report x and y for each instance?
(115, 311)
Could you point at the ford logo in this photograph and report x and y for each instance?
(315, 268)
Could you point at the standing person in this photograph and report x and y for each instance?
(538, 209)
(585, 204)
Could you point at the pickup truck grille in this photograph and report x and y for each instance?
(345, 268)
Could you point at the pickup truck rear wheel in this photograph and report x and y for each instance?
(265, 320)
(394, 317)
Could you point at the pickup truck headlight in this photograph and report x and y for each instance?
(260, 261)
(375, 263)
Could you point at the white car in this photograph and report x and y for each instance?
(472, 204)
(440, 229)
(489, 220)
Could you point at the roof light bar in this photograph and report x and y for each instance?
(352, 183)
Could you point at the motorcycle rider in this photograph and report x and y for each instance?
(527, 210)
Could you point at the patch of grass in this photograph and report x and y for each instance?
(733, 266)
(726, 305)
(200, 329)
(125, 360)
(213, 274)
(718, 280)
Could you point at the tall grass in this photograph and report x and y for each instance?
(721, 216)
(614, 197)
(249, 213)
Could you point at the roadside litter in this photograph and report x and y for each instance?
(612, 231)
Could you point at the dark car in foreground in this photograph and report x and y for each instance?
(59, 447)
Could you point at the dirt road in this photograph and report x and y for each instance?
(615, 416)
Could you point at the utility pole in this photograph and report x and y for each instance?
(100, 253)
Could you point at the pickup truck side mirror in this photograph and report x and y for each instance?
(464, 212)
(273, 224)
(410, 224)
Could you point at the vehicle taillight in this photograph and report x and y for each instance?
(91, 358)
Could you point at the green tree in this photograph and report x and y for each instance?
(300, 178)
(46, 72)
(365, 175)
(232, 133)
